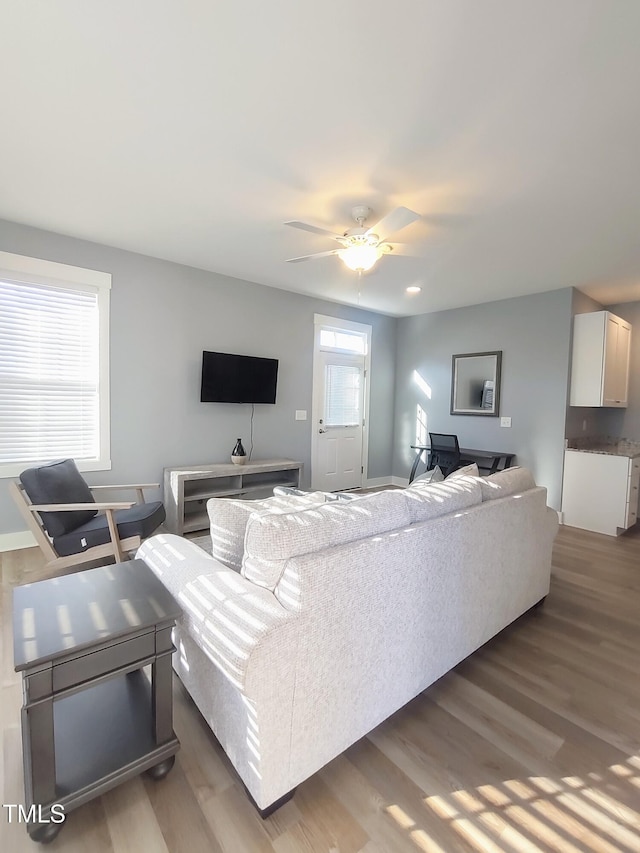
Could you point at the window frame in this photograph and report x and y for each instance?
(21, 269)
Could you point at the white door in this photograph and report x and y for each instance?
(339, 381)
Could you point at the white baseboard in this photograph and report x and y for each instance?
(16, 541)
(400, 481)
(375, 482)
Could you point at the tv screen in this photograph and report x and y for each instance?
(228, 378)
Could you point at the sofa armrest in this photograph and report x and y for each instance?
(176, 560)
(233, 621)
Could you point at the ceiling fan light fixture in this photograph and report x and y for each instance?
(360, 257)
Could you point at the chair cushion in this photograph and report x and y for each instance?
(58, 483)
(140, 520)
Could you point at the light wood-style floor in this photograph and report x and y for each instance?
(532, 744)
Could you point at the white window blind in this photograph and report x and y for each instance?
(49, 374)
(342, 395)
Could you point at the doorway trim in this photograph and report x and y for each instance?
(320, 322)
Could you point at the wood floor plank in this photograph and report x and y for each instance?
(177, 811)
(325, 825)
(388, 828)
(531, 744)
(131, 820)
(235, 822)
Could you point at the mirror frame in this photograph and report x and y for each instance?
(456, 409)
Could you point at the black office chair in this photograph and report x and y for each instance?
(444, 452)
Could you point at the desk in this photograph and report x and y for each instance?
(498, 459)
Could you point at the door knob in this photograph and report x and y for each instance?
(322, 430)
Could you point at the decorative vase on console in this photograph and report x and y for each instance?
(238, 455)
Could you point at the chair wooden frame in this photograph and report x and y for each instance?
(116, 548)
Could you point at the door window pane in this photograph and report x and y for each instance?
(343, 341)
(342, 395)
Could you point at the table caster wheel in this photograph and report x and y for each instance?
(159, 771)
(44, 833)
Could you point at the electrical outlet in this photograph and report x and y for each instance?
(301, 414)
(505, 422)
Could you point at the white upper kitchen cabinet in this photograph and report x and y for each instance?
(600, 364)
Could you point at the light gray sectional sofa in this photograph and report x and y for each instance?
(342, 612)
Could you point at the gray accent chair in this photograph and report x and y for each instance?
(70, 527)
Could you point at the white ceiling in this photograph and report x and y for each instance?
(192, 130)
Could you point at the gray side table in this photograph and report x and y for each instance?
(91, 719)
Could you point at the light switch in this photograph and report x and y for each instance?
(301, 414)
(505, 422)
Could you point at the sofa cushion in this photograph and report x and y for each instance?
(272, 539)
(430, 500)
(59, 483)
(506, 482)
(228, 521)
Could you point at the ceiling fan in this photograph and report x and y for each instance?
(360, 247)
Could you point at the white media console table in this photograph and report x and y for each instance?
(187, 490)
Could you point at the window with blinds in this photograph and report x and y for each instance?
(52, 399)
(342, 395)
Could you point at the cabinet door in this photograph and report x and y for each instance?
(622, 362)
(587, 365)
(595, 491)
(616, 362)
(600, 361)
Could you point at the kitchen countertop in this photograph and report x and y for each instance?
(606, 447)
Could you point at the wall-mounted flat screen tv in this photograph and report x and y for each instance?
(228, 378)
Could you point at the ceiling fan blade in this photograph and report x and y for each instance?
(313, 257)
(392, 222)
(314, 229)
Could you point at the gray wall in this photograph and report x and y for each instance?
(162, 316)
(533, 334)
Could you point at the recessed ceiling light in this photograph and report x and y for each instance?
(414, 289)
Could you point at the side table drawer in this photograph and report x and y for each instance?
(103, 661)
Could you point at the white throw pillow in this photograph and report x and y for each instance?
(431, 500)
(433, 476)
(506, 482)
(228, 519)
(467, 471)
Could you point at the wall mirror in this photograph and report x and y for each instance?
(475, 384)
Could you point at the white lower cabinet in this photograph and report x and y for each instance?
(600, 491)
